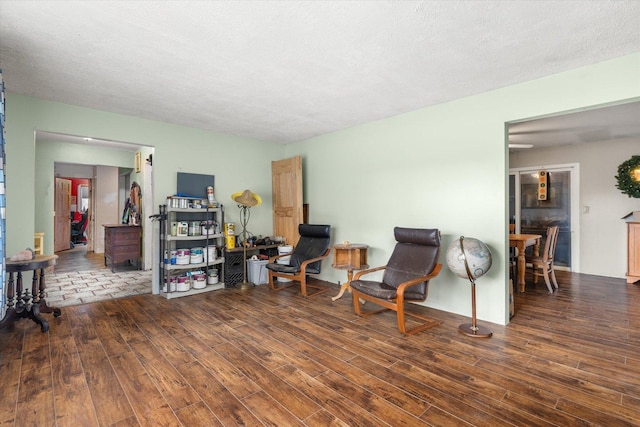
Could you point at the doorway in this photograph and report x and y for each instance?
(104, 165)
(72, 213)
(532, 214)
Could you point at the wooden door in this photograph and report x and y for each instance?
(286, 182)
(62, 219)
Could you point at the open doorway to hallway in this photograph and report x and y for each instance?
(109, 168)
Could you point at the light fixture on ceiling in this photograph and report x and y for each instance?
(520, 145)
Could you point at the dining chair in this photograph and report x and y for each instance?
(543, 265)
(513, 256)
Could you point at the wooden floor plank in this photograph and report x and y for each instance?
(227, 409)
(198, 415)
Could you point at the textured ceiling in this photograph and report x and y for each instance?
(284, 71)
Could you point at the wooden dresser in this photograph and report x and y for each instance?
(121, 243)
(633, 252)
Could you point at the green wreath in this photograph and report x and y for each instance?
(627, 171)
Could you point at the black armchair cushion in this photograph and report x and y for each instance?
(313, 242)
(415, 255)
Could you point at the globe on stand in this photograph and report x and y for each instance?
(470, 258)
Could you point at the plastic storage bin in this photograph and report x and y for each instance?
(257, 271)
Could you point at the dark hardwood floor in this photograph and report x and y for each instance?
(79, 259)
(258, 357)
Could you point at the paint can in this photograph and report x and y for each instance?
(230, 241)
(208, 228)
(184, 284)
(194, 228)
(211, 253)
(230, 229)
(196, 256)
(170, 284)
(199, 281)
(183, 256)
(183, 229)
(212, 279)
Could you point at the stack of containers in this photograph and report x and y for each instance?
(230, 234)
(282, 250)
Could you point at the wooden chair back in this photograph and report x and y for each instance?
(550, 244)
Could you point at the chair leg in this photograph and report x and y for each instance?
(304, 285)
(545, 273)
(294, 281)
(400, 313)
(273, 286)
(357, 298)
(553, 277)
(428, 323)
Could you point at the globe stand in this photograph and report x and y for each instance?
(472, 329)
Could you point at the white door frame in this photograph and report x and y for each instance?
(574, 170)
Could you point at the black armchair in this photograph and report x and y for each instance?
(413, 263)
(306, 259)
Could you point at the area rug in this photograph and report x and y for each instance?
(66, 289)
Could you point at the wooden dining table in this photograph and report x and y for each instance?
(521, 242)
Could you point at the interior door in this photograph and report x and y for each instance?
(286, 182)
(62, 219)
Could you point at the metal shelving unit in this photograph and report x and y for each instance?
(170, 242)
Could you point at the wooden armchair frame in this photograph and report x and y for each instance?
(300, 276)
(398, 304)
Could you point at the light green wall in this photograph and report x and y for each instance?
(443, 167)
(237, 163)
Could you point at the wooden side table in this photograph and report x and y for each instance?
(350, 257)
(28, 303)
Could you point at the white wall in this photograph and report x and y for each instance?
(603, 234)
(106, 199)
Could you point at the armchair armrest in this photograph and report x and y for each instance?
(304, 264)
(403, 286)
(275, 257)
(370, 270)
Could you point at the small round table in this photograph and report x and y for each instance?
(350, 257)
(28, 303)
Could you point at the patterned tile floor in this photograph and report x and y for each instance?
(73, 288)
(80, 277)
